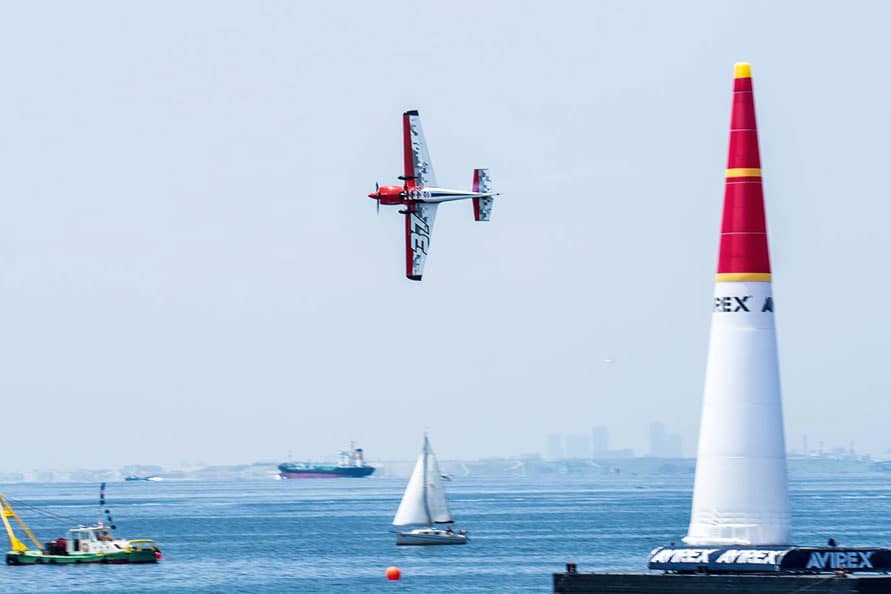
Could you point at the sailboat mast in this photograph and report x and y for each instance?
(424, 488)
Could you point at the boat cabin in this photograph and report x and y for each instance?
(94, 539)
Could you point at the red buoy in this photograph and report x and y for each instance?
(393, 573)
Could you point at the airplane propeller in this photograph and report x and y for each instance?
(377, 188)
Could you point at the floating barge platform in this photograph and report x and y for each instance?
(654, 583)
(743, 570)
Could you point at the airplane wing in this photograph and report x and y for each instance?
(419, 217)
(418, 168)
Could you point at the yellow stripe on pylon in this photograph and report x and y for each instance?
(743, 172)
(740, 277)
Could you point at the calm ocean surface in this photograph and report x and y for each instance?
(332, 535)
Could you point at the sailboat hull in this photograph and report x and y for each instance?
(430, 536)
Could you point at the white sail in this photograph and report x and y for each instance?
(412, 509)
(436, 496)
(424, 499)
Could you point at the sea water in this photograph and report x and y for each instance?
(333, 535)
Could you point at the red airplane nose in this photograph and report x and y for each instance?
(374, 195)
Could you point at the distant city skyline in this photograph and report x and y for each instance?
(597, 445)
(665, 444)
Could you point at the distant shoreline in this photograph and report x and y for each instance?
(529, 468)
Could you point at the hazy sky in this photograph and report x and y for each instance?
(192, 272)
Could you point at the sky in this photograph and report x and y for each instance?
(191, 271)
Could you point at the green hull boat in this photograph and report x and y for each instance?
(141, 552)
(84, 544)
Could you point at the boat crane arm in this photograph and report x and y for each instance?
(14, 542)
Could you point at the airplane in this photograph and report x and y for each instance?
(420, 195)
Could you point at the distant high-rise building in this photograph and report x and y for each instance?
(657, 439)
(578, 446)
(599, 442)
(555, 447)
(663, 444)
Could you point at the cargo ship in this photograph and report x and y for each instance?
(350, 465)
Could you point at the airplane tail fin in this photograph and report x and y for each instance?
(482, 207)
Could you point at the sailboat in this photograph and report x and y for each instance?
(424, 506)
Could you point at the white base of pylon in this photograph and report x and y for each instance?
(740, 493)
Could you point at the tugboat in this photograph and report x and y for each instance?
(84, 544)
(351, 464)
